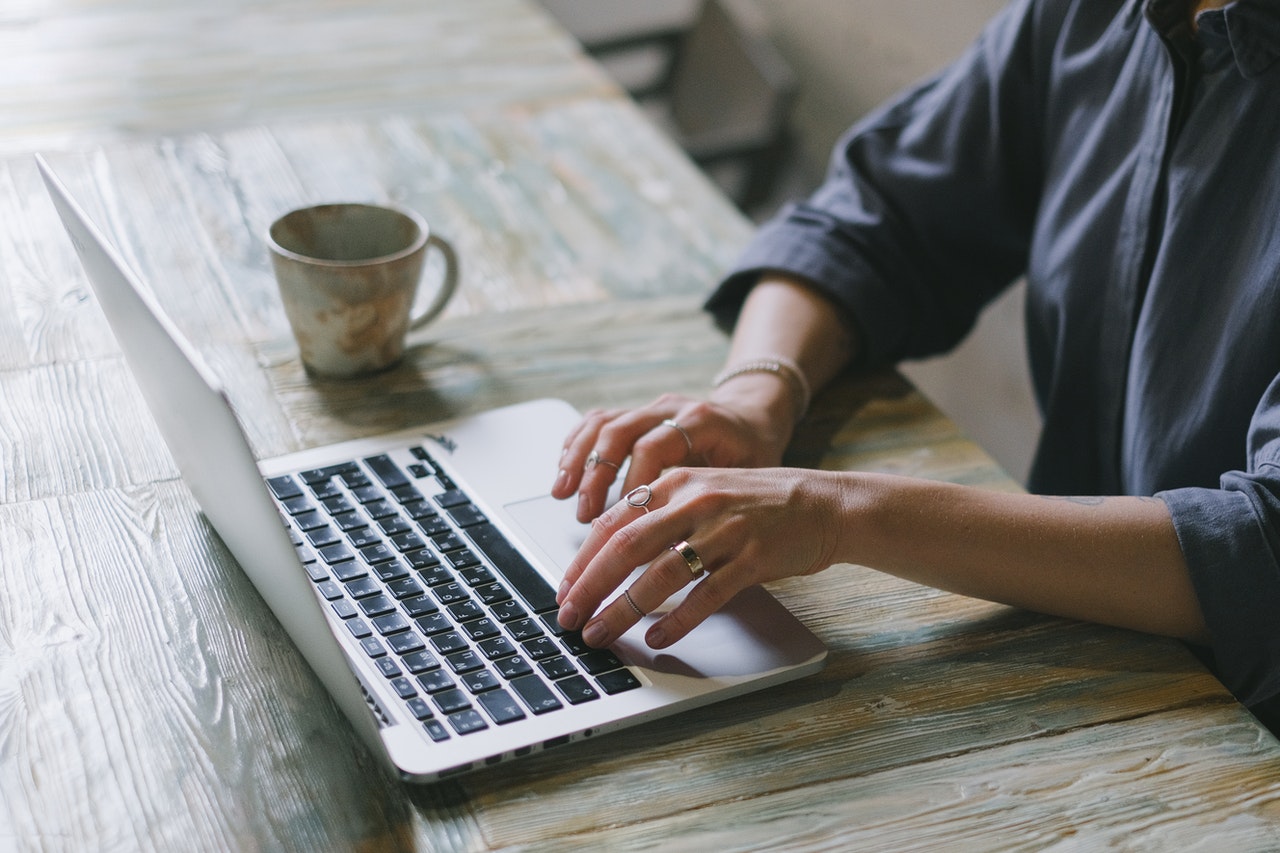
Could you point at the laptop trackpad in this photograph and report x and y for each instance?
(749, 635)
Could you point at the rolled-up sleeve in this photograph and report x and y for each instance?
(1230, 538)
(927, 208)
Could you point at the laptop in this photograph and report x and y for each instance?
(415, 572)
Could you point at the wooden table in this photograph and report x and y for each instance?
(148, 700)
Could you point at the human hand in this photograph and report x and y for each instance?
(730, 432)
(742, 527)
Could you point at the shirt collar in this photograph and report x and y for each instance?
(1248, 29)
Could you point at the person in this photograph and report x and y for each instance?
(1123, 156)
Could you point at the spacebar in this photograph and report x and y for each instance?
(523, 577)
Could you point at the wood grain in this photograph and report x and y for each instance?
(148, 699)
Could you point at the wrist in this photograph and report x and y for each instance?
(776, 367)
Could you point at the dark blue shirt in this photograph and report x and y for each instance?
(1130, 170)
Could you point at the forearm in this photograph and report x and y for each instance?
(784, 318)
(1110, 560)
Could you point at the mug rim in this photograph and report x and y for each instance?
(424, 233)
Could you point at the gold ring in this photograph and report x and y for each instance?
(675, 426)
(626, 593)
(691, 558)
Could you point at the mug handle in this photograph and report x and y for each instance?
(448, 285)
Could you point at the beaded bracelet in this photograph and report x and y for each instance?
(779, 366)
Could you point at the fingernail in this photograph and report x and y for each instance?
(568, 616)
(586, 507)
(594, 633)
(562, 591)
(657, 637)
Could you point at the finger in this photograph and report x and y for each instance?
(577, 446)
(615, 441)
(601, 530)
(710, 594)
(666, 575)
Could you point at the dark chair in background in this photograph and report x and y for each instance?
(714, 81)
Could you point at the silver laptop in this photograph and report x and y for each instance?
(416, 572)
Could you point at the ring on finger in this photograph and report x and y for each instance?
(691, 558)
(669, 422)
(594, 458)
(626, 593)
(639, 497)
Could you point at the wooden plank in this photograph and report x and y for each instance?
(1201, 779)
(78, 72)
(159, 705)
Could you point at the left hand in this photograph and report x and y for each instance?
(747, 526)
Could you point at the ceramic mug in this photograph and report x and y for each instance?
(348, 275)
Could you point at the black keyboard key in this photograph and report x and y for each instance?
(420, 708)
(618, 681)
(349, 521)
(576, 689)
(403, 687)
(325, 490)
(407, 494)
(331, 590)
(345, 609)
(432, 526)
(434, 623)
(403, 588)
(419, 510)
(372, 645)
(464, 661)
(410, 541)
(557, 667)
(451, 700)
(361, 631)
(598, 661)
(364, 537)
(366, 494)
(386, 470)
(476, 575)
(379, 553)
(419, 471)
(338, 506)
(310, 520)
(284, 487)
(394, 525)
(479, 681)
(465, 611)
(530, 585)
(363, 588)
(512, 667)
(497, 647)
(323, 537)
(376, 605)
(405, 643)
(447, 541)
(417, 662)
(501, 707)
(380, 509)
(420, 605)
(436, 680)
(508, 611)
(540, 648)
(391, 571)
(535, 694)
(348, 571)
(451, 498)
(466, 722)
(449, 642)
(337, 554)
(297, 504)
(436, 730)
(424, 559)
(524, 629)
(480, 629)
(575, 644)
(467, 515)
(316, 572)
(462, 558)
(390, 669)
(392, 623)
(451, 593)
(493, 593)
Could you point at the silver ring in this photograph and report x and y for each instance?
(691, 558)
(594, 458)
(639, 497)
(675, 426)
(626, 593)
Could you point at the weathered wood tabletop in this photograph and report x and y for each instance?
(148, 700)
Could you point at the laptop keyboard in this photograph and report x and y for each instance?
(454, 617)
